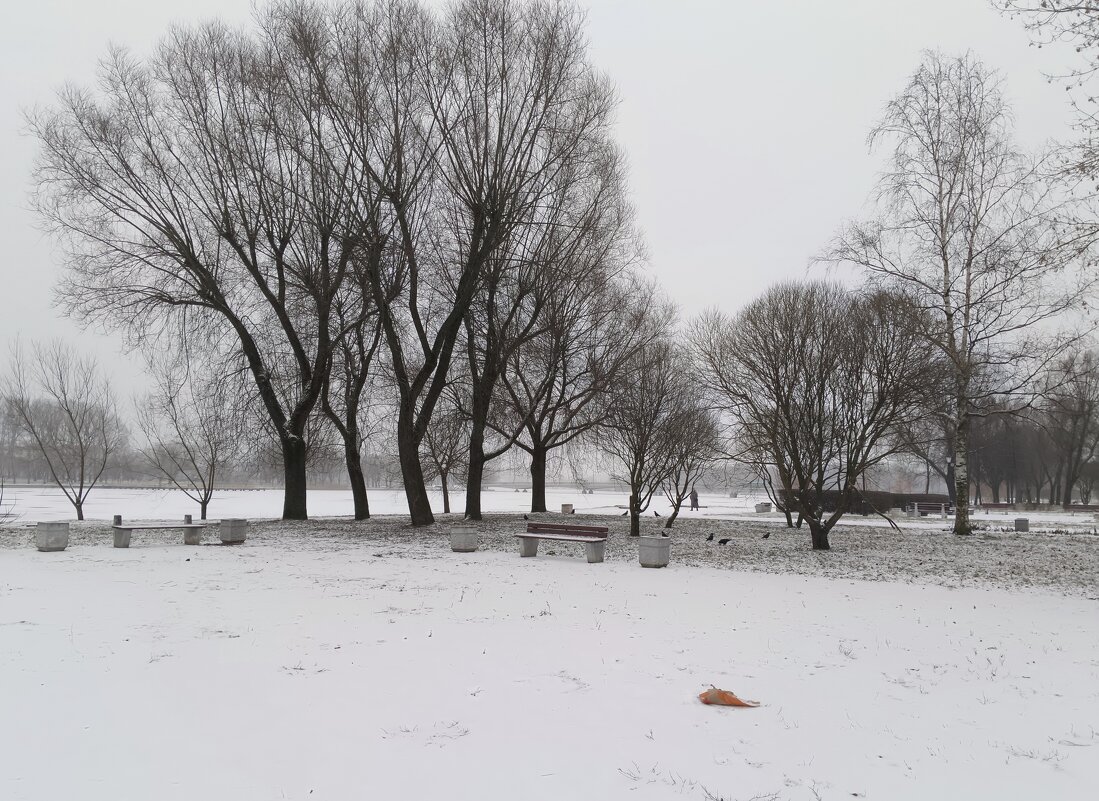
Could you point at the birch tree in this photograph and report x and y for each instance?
(968, 228)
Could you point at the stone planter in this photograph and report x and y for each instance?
(193, 536)
(654, 551)
(51, 536)
(763, 507)
(1022, 524)
(233, 530)
(464, 539)
(566, 508)
(122, 537)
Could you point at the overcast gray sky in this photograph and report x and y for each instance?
(745, 123)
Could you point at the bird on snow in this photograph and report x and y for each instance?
(725, 541)
(656, 513)
(625, 513)
(710, 537)
(765, 536)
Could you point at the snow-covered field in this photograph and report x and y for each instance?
(47, 503)
(333, 660)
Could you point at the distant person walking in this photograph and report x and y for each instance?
(694, 499)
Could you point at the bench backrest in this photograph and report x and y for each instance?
(564, 528)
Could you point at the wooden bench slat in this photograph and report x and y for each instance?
(562, 528)
(159, 527)
(561, 537)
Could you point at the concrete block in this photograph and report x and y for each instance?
(233, 530)
(464, 539)
(654, 551)
(52, 536)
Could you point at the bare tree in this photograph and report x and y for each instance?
(696, 444)
(580, 236)
(462, 122)
(639, 430)
(347, 386)
(820, 385)
(969, 230)
(191, 424)
(66, 407)
(559, 385)
(200, 188)
(446, 446)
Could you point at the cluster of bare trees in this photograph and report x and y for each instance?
(362, 204)
(403, 230)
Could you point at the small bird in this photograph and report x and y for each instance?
(765, 536)
(625, 513)
(710, 537)
(656, 513)
(725, 541)
(525, 517)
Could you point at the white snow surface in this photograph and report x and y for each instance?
(33, 503)
(337, 660)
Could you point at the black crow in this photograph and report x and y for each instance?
(725, 541)
(656, 513)
(710, 537)
(625, 513)
(765, 536)
(525, 517)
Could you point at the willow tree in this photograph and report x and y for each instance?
(968, 228)
(200, 188)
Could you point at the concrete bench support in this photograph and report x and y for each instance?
(594, 551)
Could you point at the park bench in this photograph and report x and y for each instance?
(122, 532)
(924, 509)
(594, 538)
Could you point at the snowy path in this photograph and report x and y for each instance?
(337, 669)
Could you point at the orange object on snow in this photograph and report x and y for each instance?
(724, 698)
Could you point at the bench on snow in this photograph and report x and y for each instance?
(594, 538)
(122, 532)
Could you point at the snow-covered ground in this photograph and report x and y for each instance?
(47, 503)
(333, 660)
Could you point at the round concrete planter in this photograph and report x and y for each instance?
(464, 539)
(1022, 524)
(654, 551)
(566, 508)
(122, 537)
(233, 530)
(193, 536)
(763, 507)
(51, 536)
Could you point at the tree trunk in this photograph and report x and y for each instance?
(446, 492)
(358, 481)
(635, 517)
(202, 508)
(476, 472)
(538, 479)
(412, 472)
(79, 510)
(294, 479)
(819, 535)
(961, 475)
(674, 514)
